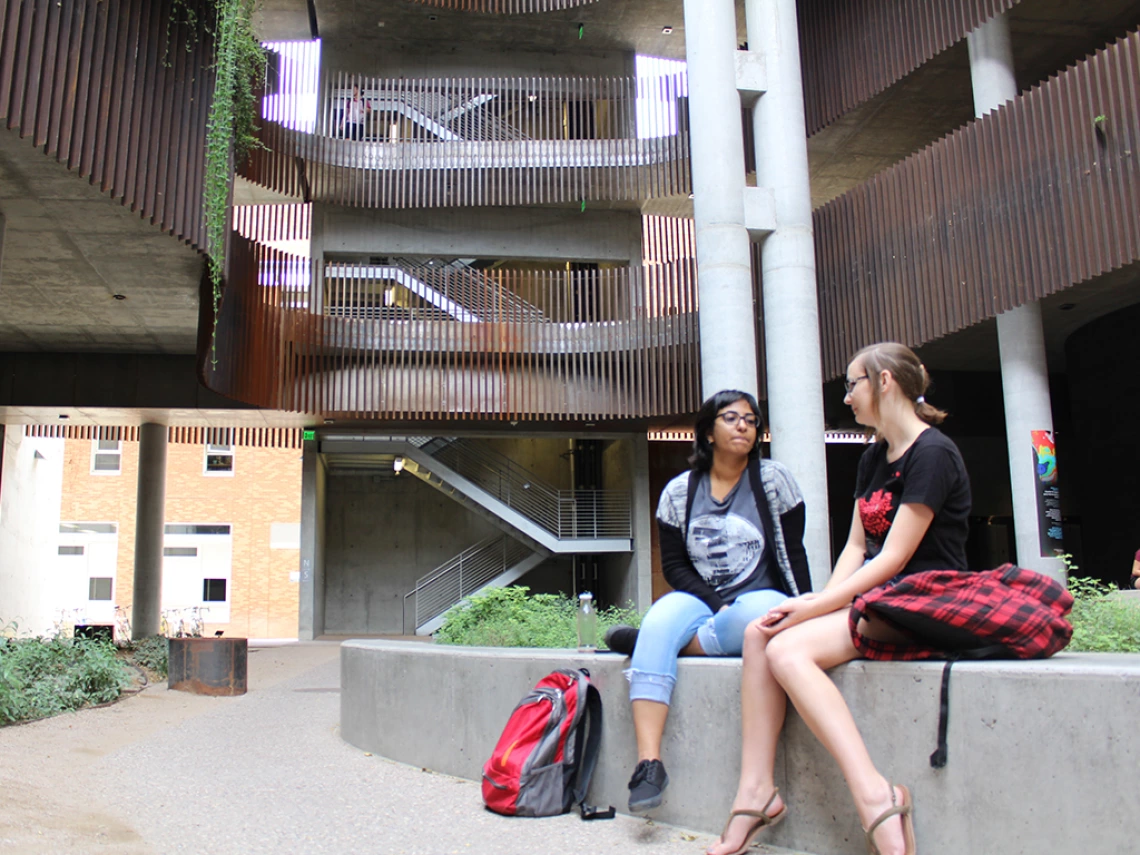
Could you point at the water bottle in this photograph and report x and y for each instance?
(587, 624)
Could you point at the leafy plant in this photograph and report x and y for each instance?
(512, 617)
(39, 677)
(152, 653)
(231, 127)
(1102, 621)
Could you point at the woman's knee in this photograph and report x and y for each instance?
(784, 655)
(755, 639)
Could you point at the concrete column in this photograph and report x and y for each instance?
(311, 606)
(150, 521)
(640, 588)
(724, 269)
(1024, 369)
(791, 307)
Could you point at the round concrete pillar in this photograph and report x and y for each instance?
(716, 139)
(1024, 369)
(150, 521)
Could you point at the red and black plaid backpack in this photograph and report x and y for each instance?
(545, 758)
(1006, 613)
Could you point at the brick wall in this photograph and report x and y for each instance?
(265, 488)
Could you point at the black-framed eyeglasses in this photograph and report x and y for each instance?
(731, 418)
(850, 385)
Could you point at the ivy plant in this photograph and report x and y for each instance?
(231, 127)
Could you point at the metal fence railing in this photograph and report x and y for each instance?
(466, 573)
(563, 513)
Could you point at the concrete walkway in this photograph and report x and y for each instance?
(266, 772)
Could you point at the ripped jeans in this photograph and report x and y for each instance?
(671, 623)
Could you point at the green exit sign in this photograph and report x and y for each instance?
(309, 435)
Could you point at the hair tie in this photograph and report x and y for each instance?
(920, 400)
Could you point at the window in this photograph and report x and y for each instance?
(180, 551)
(99, 588)
(184, 528)
(106, 457)
(219, 459)
(71, 550)
(213, 590)
(88, 528)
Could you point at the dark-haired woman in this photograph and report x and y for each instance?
(731, 536)
(912, 503)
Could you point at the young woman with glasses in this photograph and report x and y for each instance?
(731, 537)
(913, 500)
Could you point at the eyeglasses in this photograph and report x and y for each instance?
(731, 418)
(850, 385)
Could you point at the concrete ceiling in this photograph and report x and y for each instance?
(608, 25)
(68, 250)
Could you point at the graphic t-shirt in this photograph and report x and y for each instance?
(726, 541)
(931, 472)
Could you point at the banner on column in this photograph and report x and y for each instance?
(1048, 494)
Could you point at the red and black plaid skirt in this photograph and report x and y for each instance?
(1009, 612)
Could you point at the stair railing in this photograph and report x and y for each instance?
(563, 513)
(463, 575)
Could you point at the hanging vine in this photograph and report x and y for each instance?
(231, 128)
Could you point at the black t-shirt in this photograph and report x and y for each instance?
(931, 473)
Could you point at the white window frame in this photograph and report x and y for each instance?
(96, 451)
(218, 449)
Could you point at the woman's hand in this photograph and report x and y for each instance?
(793, 611)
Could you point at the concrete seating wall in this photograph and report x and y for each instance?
(1044, 756)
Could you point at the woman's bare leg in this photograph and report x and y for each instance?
(798, 658)
(649, 716)
(763, 706)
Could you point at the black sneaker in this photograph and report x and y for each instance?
(621, 639)
(647, 784)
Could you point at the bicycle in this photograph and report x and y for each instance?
(170, 623)
(195, 623)
(122, 626)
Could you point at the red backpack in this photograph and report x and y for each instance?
(545, 758)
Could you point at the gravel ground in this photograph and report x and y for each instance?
(266, 772)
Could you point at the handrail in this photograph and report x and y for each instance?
(448, 142)
(463, 575)
(566, 514)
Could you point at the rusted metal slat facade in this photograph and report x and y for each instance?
(854, 49)
(186, 435)
(117, 90)
(1035, 197)
(450, 142)
(418, 342)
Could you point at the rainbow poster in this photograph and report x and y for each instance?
(1048, 494)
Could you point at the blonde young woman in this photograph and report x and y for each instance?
(913, 500)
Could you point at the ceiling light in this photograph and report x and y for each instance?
(666, 31)
(398, 465)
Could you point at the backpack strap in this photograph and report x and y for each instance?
(588, 753)
(763, 508)
(992, 651)
(694, 482)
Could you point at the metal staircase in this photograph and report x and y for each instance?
(536, 519)
(497, 561)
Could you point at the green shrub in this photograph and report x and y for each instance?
(1102, 622)
(510, 617)
(39, 678)
(151, 653)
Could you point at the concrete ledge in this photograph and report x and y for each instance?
(1044, 756)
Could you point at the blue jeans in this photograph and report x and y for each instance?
(671, 623)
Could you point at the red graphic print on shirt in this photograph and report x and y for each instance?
(873, 513)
